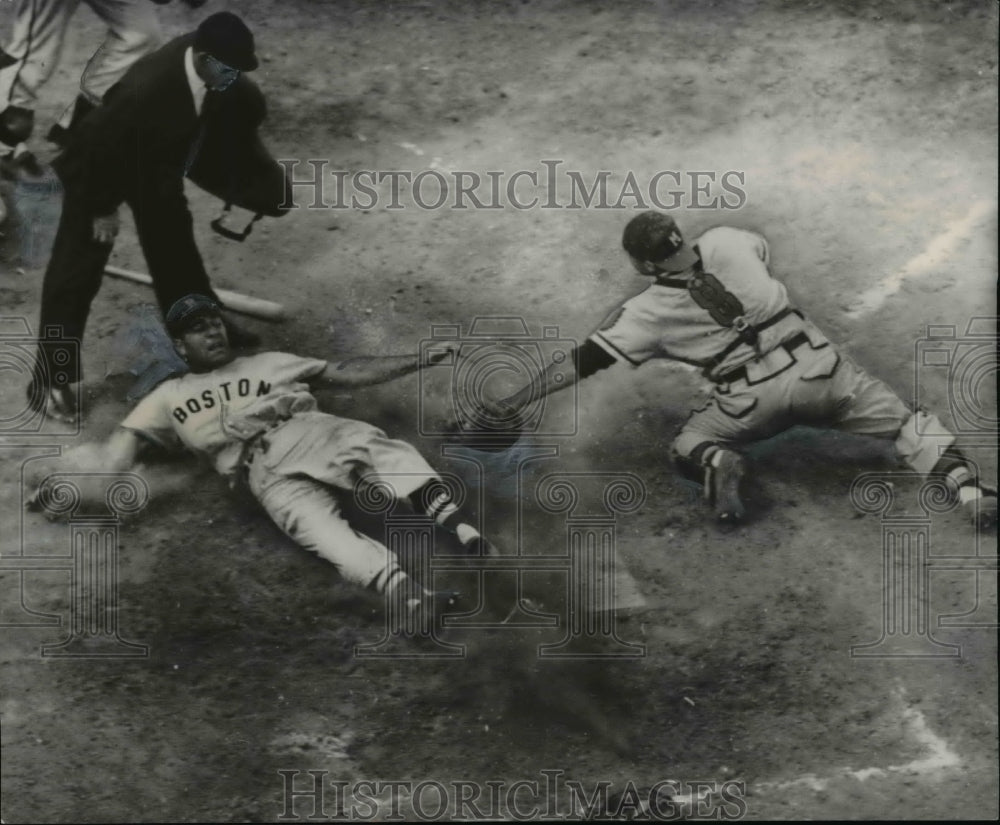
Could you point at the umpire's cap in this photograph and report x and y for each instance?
(227, 38)
(186, 309)
(654, 237)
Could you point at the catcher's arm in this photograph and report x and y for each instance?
(365, 371)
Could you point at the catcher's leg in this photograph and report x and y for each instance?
(870, 406)
(736, 413)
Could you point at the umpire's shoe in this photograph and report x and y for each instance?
(16, 125)
(724, 471)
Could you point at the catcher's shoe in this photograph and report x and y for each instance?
(722, 485)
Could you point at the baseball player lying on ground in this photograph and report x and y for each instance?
(714, 304)
(256, 420)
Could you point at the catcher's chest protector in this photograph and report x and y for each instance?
(708, 292)
(726, 309)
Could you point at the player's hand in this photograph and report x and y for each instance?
(106, 227)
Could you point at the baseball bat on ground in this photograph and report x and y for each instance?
(236, 301)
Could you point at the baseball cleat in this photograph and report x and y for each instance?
(982, 511)
(425, 613)
(724, 479)
(57, 403)
(480, 546)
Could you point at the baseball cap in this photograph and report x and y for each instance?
(186, 309)
(655, 237)
(227, 38)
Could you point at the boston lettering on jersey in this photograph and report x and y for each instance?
(226, 392)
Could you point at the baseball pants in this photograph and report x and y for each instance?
(296, 469)
(821, 388)
(37, 38)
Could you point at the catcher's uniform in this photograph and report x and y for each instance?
(771, 367)
(256, 418)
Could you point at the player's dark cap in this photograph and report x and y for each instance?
(187, 309)
(227, 38)
(654, 238)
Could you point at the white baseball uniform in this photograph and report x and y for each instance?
(37, 37)
(256, 418)
(779, 372)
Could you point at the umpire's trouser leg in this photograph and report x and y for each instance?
(71, 281)
(166, 234)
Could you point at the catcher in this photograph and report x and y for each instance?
(714, 304)
(255, 419)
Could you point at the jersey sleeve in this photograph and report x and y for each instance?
(631, 333)
(761, 248)
(285, 368)
(151, 419)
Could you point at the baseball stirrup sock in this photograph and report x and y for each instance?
(387, 580)
(956, 466)
(443, 510)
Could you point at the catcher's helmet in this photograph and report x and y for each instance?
(653, 238)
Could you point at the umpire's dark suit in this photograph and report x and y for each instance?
(137, 147)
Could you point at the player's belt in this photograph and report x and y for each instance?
(789, 346)
(748, 333)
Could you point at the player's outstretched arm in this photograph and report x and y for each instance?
(587, 359)
(117, 454)
(364, 371)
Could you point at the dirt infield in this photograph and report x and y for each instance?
(754, 672)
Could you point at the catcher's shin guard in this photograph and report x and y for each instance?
(721, 471)
(724, 470)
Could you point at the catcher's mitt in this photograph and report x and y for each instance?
(491, 430)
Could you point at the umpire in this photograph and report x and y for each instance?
(187, 109)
